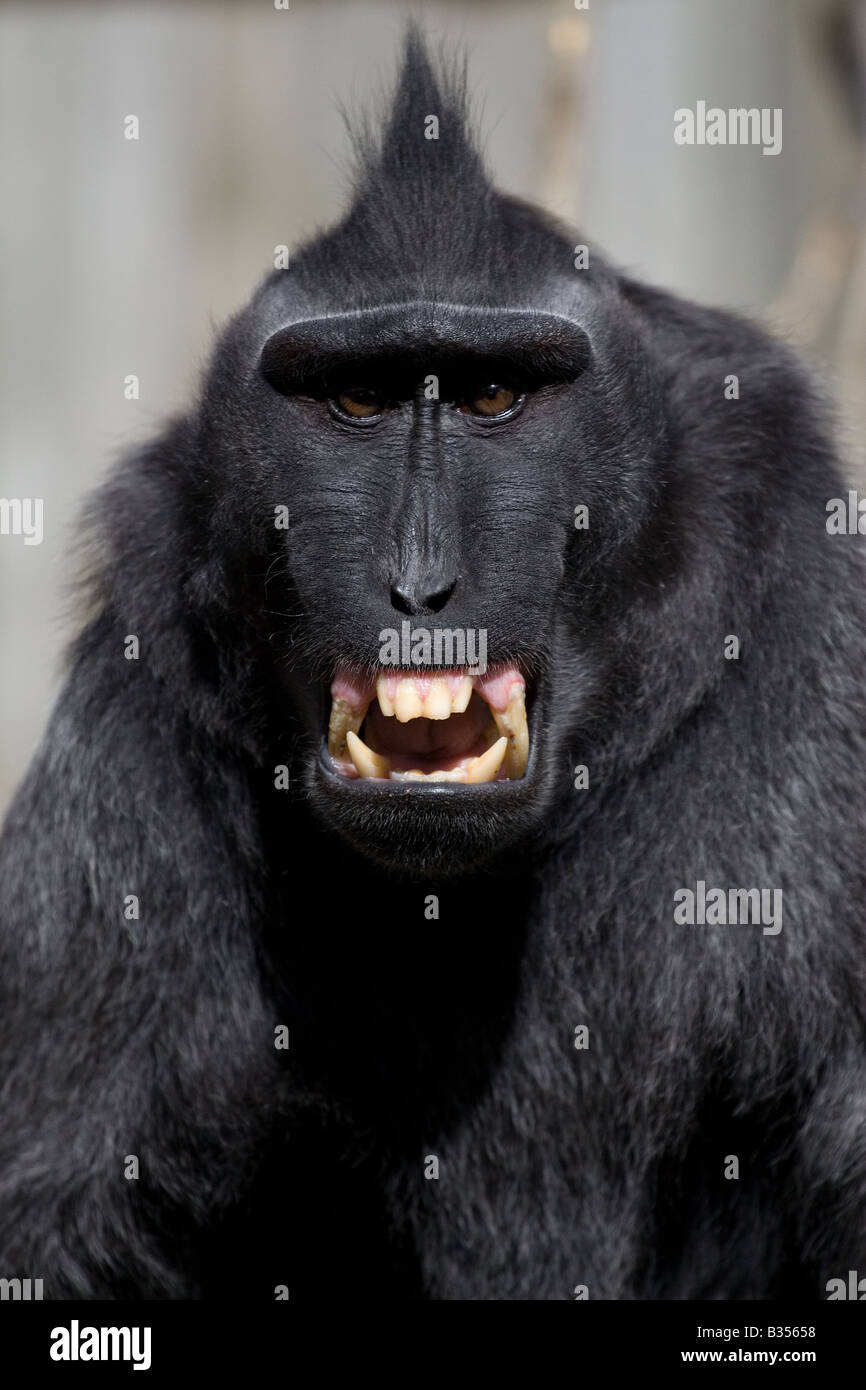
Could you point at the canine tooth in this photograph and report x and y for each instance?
(343, 719)
(386, 704)
(367, 763)
(407, 702)
(485, 767)
(463, 696)
(438, 702)
(512, 723)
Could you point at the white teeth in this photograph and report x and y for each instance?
(458, 775)
(343, 720)
(438, 702)
(512, 723)
(407, 702)
(485, 768)
(463, 696)
(367, 763)
(386, 704)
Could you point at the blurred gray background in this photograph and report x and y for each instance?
(121, 256)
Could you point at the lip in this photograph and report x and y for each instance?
(505, 793)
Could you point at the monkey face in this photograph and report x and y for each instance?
(459, 485)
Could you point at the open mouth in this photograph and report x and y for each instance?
(444, 727)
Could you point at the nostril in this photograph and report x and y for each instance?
(435, 602)
(413, 599)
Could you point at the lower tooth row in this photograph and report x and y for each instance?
(458, 775)
(481, 769)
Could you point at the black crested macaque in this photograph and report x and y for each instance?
(445, 862)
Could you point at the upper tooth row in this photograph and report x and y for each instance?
(407, 702)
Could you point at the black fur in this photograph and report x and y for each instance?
(261, 907)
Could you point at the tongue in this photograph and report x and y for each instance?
(435, 739)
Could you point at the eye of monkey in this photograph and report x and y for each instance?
(490, 401)
(360, 402)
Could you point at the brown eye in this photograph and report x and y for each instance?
(491, 400)
(360, 402)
